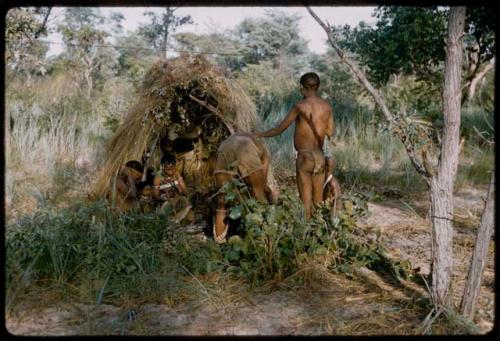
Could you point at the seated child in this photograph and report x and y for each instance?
(145, 188)
(170, 189)
(125, 188)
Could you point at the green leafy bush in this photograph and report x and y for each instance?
(87, 243)
(276, 239)
(145, 255)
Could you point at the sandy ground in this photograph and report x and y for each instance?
(331, 304)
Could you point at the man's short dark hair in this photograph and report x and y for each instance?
(134, 164)
(150, 175)
(310, 80)
(168, 159)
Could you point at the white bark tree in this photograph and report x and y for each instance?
(485, 231)
(440, 176)
(158, 31)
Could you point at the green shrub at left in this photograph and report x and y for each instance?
(101, 256)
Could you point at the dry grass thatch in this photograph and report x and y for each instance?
(180, 99)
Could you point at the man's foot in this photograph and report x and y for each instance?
(219, 221)
(221, 239)
(182, 214)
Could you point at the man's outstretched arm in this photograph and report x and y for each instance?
(287, 121)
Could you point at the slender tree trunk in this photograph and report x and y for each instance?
(473, 284)
(441, 185)
(87, 74)
(166, 24)
(88, 79)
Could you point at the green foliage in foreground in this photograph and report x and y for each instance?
(276, 238)
(146, 257)
(85, 244)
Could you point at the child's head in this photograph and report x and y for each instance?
(168, 163)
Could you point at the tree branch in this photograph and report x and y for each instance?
(44, 23)
(214, 110)
(400, 129)
(205, 104)
(469, 89)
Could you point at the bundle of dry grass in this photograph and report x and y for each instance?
(186, 106)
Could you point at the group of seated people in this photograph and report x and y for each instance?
(157, 190)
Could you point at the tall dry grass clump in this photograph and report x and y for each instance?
(47, 125)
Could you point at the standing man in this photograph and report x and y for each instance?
(313, 119)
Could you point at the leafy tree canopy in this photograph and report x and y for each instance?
(411, 41)
(276, 34)
(159, 28)
(23, 52)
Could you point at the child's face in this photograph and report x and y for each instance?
(169, 168)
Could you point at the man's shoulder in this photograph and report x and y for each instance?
(303, 104)
(307, 104)
(324, 102)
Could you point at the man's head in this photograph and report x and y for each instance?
(309, 81)
(168, 163)
(136, 168)
(134, 164)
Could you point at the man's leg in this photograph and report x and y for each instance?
(318, 181)
(221, 213)
(304, 167)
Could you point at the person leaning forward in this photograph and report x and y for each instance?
(313, 119)
(243, 156)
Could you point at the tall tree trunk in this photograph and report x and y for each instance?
(473, 284)
(441, 185)
(166, 24)
(88, 79)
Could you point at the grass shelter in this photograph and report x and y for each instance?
(186, 106)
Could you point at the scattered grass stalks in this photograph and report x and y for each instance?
(348, 305)
(101, 291)
(451, 321)
(22, 281)
(207, 295)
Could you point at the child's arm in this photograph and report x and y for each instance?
(156, 187)
(181, 186)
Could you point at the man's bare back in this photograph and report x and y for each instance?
(313, 119)
(312, 123)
